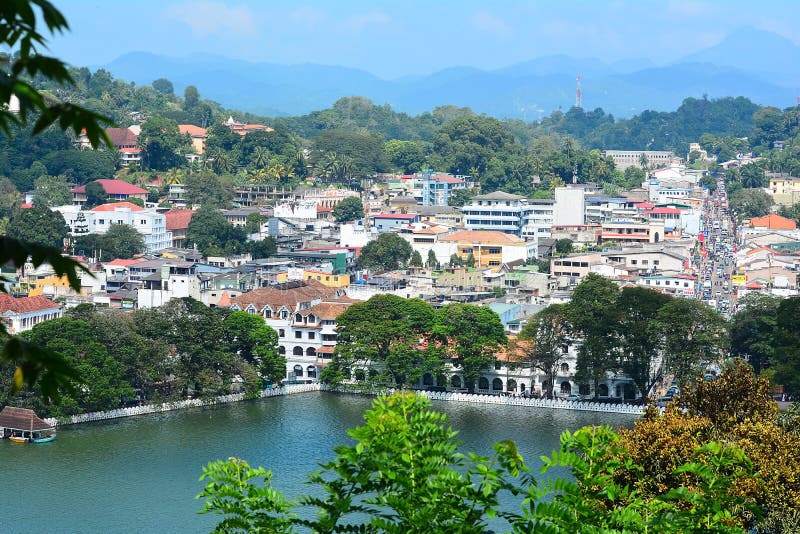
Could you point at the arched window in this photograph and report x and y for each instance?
(455, 381)
(483, 383)
(297, 351)
(497, 365)
(311, 319)
(427, 379)
(312, 371)
(564, 368)
(522, 387)
(298, 370)
(298, 318)
(602, 389)
(311, 351)
(511, 385)
(566, 387)
(497, 384)
(281, 349)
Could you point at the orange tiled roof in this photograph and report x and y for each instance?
(289, 295)
(490, 237)
(178, 219)
(773, 221)
(191, 129)
(25, 304)
(112, 206)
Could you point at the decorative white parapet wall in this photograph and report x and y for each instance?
(317, 386)
(504, 400)
(179, 405)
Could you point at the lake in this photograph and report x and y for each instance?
(140, 474)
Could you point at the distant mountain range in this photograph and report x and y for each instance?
(753, 63)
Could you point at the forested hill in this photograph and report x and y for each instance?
(126, 102)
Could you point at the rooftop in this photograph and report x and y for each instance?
(115, 187)
(25, 304)
(114, 206)
(498, 195)
(491, 237)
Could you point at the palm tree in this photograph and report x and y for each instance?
(644, 162)
(173, 177)
(260, 157)
(327, 166)
(221, 162)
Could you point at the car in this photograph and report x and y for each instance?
(573, 398)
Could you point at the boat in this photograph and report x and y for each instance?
(18, 439)
(45, 439)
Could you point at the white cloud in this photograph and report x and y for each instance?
(684, 8)
(486, 22)
(306, 16)
(205, 18)
(361, 21)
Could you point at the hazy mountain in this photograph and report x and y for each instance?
(753, 63)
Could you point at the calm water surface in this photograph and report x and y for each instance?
(141, 474)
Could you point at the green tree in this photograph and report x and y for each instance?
(262, 249)
(212, 233)
(753, 329)
(191, 98)
(590, 313)
(383, 335)
(542, 342)
(349, 209)
(693, 333)
(753, 176)
(786, 345)
(95, 195)
(749, 203)
(39, 225)
(10, 198)
(564, 246)
(162, 144)
(639, 335)
(472, 336)
(163, 86)
(205, 187)
(416, 259)
(121, 241)
(255, 342)
(407, 156)
(387, 252)
(431, 262)
(461, 197)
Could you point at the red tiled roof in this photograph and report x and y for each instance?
(112, 206)
(25, 304)
(178, 219)
(121, 137)
(224, 300)
(489, 237)
(115, 187)
(774, 222)
(123, 263)
(447, 179)
(191, 129)
(644, 206)
(665, 211)
(326, 349)
(26, 206)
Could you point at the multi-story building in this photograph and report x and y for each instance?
(171, 281)
(679, 285)
(198, 136)
(489, 249)
(148, 222)
(436, 188)
(499, 211)
(303, 313)
(383, 222)
(633, 158)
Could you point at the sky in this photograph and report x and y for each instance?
(393, 39)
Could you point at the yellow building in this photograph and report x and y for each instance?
(327, 279)
(489, 248)
(783, 184)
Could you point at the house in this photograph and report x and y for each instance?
(499, 211)
(489, 248)
(198, 136)
(115, 189)
(303, 313)
(437, 188)
(172, 280)
(23, 313)
(773, 221)
(177, 222)
(389, 221)
(244, 129)
(125, 141)
(445, 215)
(673, 284)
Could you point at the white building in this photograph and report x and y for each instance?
(23, 313)
(570, 206)
(148, 222)
(511, 214)
(170, 281)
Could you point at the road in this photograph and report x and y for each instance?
(717, 263)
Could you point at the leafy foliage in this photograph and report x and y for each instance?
(387, 252)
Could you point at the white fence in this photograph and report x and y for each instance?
(178, 405)
(509, 401)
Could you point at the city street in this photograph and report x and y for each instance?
(717, 250)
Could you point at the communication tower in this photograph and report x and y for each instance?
(578, 96)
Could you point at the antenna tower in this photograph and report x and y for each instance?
(578, 96)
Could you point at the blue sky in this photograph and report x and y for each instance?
(399, 38)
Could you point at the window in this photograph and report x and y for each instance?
(298, 334)
(281, 333)
(312, 335)
(494, 250)
(297, 351)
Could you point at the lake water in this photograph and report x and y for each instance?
(141, 474)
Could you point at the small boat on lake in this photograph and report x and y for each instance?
(21, 425)
(45, 439)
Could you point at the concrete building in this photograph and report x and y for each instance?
(148, 222)
(632, 158)
(489, 248)
(23, 313)
(570, 206)
(437, 187)
(118, 190)
(171, 281)
(198, 136)
(498, 211)
(383, 222)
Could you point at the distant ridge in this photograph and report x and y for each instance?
(753, 63)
